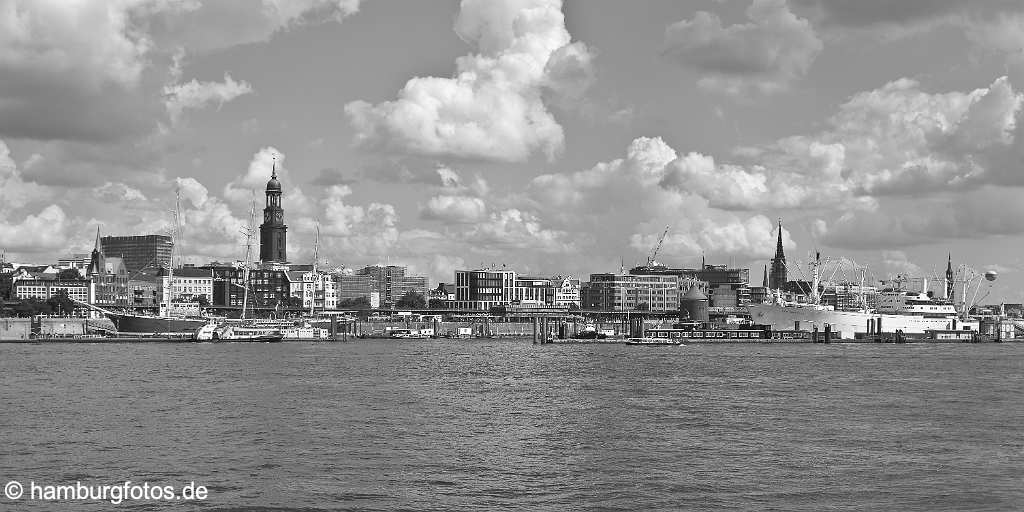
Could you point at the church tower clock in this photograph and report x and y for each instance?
(273, 232)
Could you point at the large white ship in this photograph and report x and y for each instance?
(910, 312)
(919, 314)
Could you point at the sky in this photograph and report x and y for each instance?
(552, 137)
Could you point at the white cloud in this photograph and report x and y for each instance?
(91, 41)
(516, 229)
(196, 95)
(493, 107)
(355, 230)
(454, 209)
(120, 192)
(623, 203)
(244, 189)
(765, 55)
(15, 191)
(36, 233)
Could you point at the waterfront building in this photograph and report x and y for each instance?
(352, 286)
(273, 231)
(78, 261)
(144, 292)
(567, 292)
(629, 292)
(761, 294)
(108, 277)
(533, 290)
(482, 289)
(187, 284)
(727, 287)
(43, 289)
(140, 253)
(687, 278)
(778, 277)
(316, 290)
(391, 282)
(268, 288)
(444, 291)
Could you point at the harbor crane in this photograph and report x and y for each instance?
(657, 247)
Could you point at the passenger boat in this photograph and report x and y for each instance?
(215, 331)
(652, 341)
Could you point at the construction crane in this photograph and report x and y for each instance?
(654, 252)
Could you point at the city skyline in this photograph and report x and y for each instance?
(433, 135)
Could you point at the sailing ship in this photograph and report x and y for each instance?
(173, 316)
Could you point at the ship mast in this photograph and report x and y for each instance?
(250, 233)
(316, 277)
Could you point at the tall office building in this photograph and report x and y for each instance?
(147, 253)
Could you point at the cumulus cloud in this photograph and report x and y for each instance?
(15, 191)
(764, 55)
(624, 203)
(492, 108)
(118, 192)
(454, 209)
(196, 95)
(516, 229)
(35, 233)
(243, 189)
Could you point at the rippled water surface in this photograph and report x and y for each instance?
(506, 425)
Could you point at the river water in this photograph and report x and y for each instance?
(506, 425)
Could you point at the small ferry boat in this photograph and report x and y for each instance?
(652, 341)
(234, 332)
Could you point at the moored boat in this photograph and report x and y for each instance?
(652, 341)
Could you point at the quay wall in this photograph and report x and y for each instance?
(42, 327)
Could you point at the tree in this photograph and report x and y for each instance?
(293, 302)
(32, 307)
(437, 304)
(411, 300)
(358, 303)
(61, 303)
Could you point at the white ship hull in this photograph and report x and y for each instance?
(849, 323)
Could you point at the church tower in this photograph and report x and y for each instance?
(777, 279)
(273, 232)
(97, 264)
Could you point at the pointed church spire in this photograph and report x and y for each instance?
(778, 277)
(97, 263)
(764, 282)
(778, 245)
